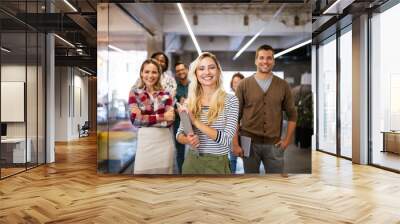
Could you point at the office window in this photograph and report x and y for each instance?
(327, 96)
(385, 84)
(346, 93)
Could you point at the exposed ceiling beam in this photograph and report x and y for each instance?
(134, 18)
(83, 61)
(86, 26)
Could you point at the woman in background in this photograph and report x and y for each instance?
(152, 111)
(214, 116)
(167, 81)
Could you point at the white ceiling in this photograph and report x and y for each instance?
(223, 22)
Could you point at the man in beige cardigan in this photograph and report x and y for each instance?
(262, 99)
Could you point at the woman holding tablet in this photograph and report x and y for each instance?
(214, 116)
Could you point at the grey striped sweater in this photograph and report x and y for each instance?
(225, 124)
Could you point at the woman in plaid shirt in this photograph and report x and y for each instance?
(152, 111)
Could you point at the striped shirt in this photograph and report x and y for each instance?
(225, 124)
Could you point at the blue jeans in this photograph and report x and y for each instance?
(233, 161)
(180, 149)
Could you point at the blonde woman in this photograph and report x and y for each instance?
(153, 112)
(214, 116)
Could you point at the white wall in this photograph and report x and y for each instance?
(16, 73)
(71, 102)
(33, 126)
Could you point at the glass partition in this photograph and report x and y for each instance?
(385, 89)
(22, 88)
(31, 99)
(346, 93)
(14, 151)
(327, 96)
(118, 69)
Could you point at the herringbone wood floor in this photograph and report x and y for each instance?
(70, 191)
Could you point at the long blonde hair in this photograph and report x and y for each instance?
(195, 91)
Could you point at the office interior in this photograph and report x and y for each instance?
(355, 83)
(52, 70)
(331, 50)
(47, 83)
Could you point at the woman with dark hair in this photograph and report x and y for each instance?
(152, 111)
(236, 78)
(162, 59)
(167, 81)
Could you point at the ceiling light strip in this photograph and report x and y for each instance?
(64, 40)
(116, 48)
(189, 28)
(293, 48)
(276, 14)
(5, 50)
(86, 72)
(70, 5)
(330, 7)
(248, 44)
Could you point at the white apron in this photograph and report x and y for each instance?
(155, 151)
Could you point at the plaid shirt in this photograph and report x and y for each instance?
(152, 108)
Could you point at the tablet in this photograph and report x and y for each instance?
(185, 121)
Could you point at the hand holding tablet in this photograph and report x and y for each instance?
(185, 120)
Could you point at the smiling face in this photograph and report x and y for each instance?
(162, 61)
(207, 72)
(265, 61)
(181, 72)
(150, 75)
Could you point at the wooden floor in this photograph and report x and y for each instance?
(70, 191)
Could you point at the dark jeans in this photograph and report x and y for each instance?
(270, 155)
(233, 161)
(180, 149)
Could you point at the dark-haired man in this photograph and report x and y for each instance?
(262, 99)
